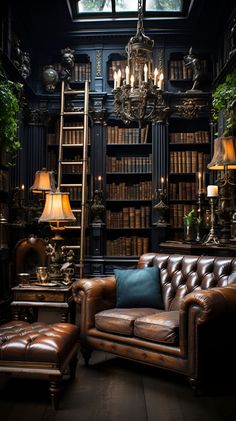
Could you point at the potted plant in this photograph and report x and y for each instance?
(190, 227)
(9, 108)
(224, 104)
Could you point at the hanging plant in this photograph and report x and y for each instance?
(224, 102)
(9, 108)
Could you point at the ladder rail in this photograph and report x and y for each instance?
(84, 162)
(84, 179)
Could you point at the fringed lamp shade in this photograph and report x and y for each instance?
(57, 208)
(224, 156)
(44, 181)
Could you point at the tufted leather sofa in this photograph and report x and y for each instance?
(40, 349)
(195, 333)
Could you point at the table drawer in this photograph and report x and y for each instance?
(39, 296)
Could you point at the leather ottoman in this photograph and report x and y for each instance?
(40, 349)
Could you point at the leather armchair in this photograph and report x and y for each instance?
(195, 333)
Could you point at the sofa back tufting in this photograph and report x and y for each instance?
(181, 275)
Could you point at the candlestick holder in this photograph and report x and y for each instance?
(212, 237)
(200, 215)
(161, 207)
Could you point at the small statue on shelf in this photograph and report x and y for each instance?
(192, 62)
(97, 208)
(68, 62)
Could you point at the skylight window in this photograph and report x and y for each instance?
(113, 6)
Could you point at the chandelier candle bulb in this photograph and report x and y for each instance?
(127, 75)
(162, 184)
(115, 79)
(118, 78)
(132, 81)
(145, 73)
(212, 191)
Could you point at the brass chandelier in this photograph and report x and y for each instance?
(140, 96)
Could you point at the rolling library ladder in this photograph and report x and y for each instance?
(70, 138)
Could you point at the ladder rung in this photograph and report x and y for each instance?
(69, 145)
(73, 127)
(76, 210)
(71, 185)
(73, 92)
(71, 162)
(73, 113)
(71, 247)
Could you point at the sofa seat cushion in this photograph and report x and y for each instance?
(121, 320)
(158, 327)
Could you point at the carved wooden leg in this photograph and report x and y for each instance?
(196, 386)
(55, 389)
(86, 353)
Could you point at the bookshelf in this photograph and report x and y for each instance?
(128, 190)
(116, 62)
(188, 154)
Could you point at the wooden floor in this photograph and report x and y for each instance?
(112, 389)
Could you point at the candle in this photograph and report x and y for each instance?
(162, 184)
(155, 76)
(199, 182)
(100, 183)
(118, 78)
(115, 79)
(161, 81)
(127, 75)
(132, 81)
(145, 73)
(22, 191)
(212, 191)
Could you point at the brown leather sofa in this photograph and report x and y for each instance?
(195, 333)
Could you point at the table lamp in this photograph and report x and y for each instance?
(224, 159)
(57, 212)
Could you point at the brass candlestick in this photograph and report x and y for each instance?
(212, 238)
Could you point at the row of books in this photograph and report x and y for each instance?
(129, 217)
(177, 212)
(123, 191)
(80, 71)
(127, 246)
(129, 135)
(200, 136)
(70, 137)
(74, 192)
(4, 181)
(188, 161)
(178, 70)
(114, 66)
(129, 164)
(182, 191)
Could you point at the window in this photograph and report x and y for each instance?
(118, 6)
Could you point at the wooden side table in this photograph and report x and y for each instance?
(56, 299)
(196, 249)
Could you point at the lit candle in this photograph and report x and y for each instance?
(161, 81)
(22, 191)
(155, 76)
(127, 75)
(199, 182)
(132, 81)
(212, 191)
(115, 79)
(118, 78)
(145, 73)
(162, 184)
(100, 183)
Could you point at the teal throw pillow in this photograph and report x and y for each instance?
(138, 288)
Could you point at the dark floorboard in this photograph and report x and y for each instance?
(112, 389)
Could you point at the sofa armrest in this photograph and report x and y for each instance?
(211, 302)
(93, 295)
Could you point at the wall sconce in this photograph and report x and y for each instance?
(224, 160)
(57, 211)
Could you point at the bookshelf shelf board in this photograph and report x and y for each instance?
(128, 200)
(182, 200)
(128, 228)
(129, 173)
(129, 144)
(191, 145)
(173, 174)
